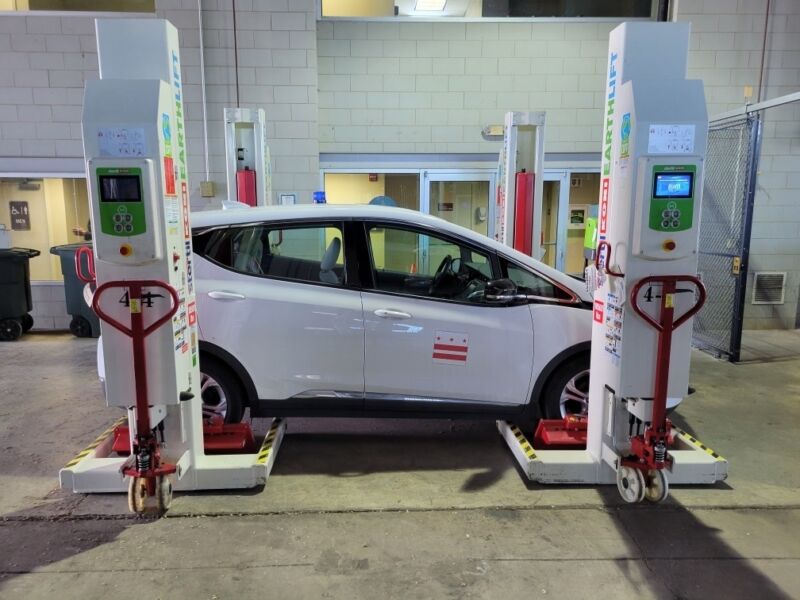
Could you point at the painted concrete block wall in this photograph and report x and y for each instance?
(727, 40)
(432, 87)
(45, 61)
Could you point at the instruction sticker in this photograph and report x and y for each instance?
(121, 141)
(670, 139)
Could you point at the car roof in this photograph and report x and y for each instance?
(215, 218)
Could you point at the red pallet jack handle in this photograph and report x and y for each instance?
(145, 439)
(90, 276)
(657, 434)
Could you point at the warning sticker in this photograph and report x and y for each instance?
(450, 348)
(597, 312)
(613, 324)
(670, 139)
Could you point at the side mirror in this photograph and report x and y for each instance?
(500, 291)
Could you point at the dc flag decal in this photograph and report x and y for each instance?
(450, 347)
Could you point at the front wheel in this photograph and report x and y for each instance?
(567, 391)
(221, 391)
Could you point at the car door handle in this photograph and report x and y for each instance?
(228, 296)
(388, 313)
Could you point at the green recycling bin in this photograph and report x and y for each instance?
(84, 322)
(15, 292)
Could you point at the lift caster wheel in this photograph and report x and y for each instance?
(631, 484)
(163, 493)
(657, 488)
(137, 495)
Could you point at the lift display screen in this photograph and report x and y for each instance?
(673, 185)
(120, 188)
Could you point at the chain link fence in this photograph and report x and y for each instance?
(725, 223)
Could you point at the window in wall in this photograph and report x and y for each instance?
(394, 189)
(414, 262)
(647, 9)
(313, 254)
(42, 213)
(134, 6)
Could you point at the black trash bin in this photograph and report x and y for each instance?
(84, 322)
(15, 292)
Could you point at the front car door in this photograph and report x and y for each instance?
(276, 297)
(432, 342)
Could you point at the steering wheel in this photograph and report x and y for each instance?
(441, 271)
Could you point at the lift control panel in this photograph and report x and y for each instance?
(125, 210)
(666, 220)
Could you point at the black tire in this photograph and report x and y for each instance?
(27, 322)
(575, 368)
(223, 384)
(10, 330)
(80, 327)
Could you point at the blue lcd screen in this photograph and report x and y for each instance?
(673, 185)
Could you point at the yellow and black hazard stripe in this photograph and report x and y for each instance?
(693, 441)
(98, 440)
(523, 442)
(266, 445)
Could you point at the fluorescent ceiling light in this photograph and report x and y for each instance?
(430, 5)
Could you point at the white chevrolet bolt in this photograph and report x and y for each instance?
(353, 310)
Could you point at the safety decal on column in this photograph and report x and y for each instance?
(613, 318)
(597, 312)
(450, 348)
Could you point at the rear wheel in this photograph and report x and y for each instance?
(567, 391)
(27, 322)
(222, 392)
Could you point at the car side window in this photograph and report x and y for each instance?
(409, 261)
(312, 253)
(533, 284)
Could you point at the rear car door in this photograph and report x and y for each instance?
(432, 341)
(276, 297)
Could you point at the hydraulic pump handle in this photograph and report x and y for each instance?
(135, 290)
(668, 287)
(607, 267)
(91, 277)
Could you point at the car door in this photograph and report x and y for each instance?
(276, 297)
(432, 342)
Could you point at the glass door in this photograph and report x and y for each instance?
(463, 197)
(553, 218)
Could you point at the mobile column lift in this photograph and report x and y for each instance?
(135, 147)
(645, 288)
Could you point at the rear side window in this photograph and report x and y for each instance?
(310, 253)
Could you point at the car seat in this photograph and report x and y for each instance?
(248, 254)
(326, 272)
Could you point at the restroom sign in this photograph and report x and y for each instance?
(20, 217)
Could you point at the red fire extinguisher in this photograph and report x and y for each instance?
(523, 213)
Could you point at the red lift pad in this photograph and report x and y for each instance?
(218, 438)
(568, 433)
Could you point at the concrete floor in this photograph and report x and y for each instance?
(412, 509)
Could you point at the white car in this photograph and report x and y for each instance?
(372, 310)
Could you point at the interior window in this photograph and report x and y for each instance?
(313, 253)
(532, 284)
(412, 262)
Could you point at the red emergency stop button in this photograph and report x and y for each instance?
(669, 245)
(125, 250)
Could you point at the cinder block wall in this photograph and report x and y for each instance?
(432, 87)
(727, 41)
(45, 60)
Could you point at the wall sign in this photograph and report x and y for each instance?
(20, 217)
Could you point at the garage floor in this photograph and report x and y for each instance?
(413, 509)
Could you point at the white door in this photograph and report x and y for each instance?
(430, 336)
(277, 301)
(463, 197)
(553, 218)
